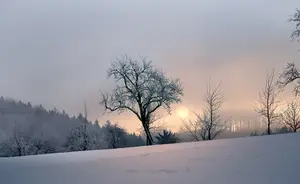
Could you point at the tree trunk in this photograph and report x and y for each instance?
(269, 125)
(148, 134)
(149, 137)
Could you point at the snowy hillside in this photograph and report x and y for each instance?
(255, 160)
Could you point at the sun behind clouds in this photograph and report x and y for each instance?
(182, 112)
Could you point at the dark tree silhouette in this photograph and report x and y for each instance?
(86, 137)
(291, 115)
(141, 89)
(115, 135)
(41, 146)
(167, 137)
(283, 130)
(268, 103)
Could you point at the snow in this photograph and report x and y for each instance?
(253, 160)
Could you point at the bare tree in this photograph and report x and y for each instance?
(268, 103)
(296, 19)
(141, 89)
(291, 73)
(208, 125)
(291, 115)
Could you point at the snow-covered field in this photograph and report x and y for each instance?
(255, 160)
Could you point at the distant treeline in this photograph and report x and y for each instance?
(32, 130)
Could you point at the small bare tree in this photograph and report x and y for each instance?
(141, 89)
(291, 115)
(209, 125)
(268, 103)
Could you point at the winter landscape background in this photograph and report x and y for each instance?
(72, 57)
(149, 91)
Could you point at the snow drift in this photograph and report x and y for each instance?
(253, 160)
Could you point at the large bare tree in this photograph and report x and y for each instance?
(141, 89)
(296, 19)
(291, 115)
(208, 125)
(291, 73)
(267, 102)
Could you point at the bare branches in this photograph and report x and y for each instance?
(193, 128)
(208, 125)
(296, 19)
(289, 75)
(141, 89)
(114, 102)
(291, 115)
(268, 102)
(212, 123)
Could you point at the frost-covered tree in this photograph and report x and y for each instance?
(78, 140)
(16, 145)
(40, 145)
(141, 89)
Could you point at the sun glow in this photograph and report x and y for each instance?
(182, 112)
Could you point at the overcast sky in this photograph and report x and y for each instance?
(56, 52)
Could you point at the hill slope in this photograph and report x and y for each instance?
(266, 160)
